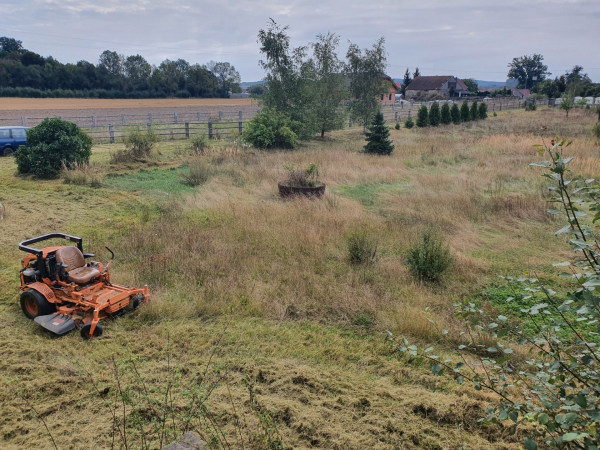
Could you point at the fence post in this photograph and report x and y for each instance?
(123, 119)
(500, 106)
(199, 117)
(149, 126)
(59, 117)
(396, 116)
(94, 121)
(220, 115)
(24, 121)
(175, 115)
(409, 113)
(150, 119)
(210, 130)
(240, 113)
(187, 130)
(112, 133)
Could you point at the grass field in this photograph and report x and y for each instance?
(12, 104)
(265, 287)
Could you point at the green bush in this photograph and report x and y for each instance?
(362, 248)
(474, 111)
(140, 141)
(596, 130)
(422, 117)
(272, 129)
(408, 123)
(483, 111)
(51, 144)
(198, 173)
(397, 126)
(434, 115)
(465, 114)
(455, 114)
(378, 141)
(428, 258)
(199, 143)
(530, 107)
(446, 117)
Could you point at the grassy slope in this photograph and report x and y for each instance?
(303, 324)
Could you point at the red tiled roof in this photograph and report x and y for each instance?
(461, 84)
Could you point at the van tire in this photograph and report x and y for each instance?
(7, 151)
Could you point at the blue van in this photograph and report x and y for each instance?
(11, 138)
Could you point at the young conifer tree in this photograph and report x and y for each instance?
(483, 111)
(434, 115)
(445, 114)
(474, 111)
(465, 114)
(378, 141)
(455, 114)
(422, 117)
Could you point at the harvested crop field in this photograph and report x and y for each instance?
(16, 108)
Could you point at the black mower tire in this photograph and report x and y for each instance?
(85, 331)
(34, 304)
(7, 151)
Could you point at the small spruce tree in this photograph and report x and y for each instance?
(408, 123)
(446, 118)
(422, 117)
(434, 115)
(465, 114)
(455, 114)
(378, 137)
(474, 111)
(483, 111)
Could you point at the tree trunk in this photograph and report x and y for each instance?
(322, 132)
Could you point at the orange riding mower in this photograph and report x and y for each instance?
(62, 292)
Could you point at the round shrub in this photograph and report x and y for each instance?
(272, 129)
(408, 123)
(49, 145)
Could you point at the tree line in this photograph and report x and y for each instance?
(24, 73)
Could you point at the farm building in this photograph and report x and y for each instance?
(390, 97)
(439, 85)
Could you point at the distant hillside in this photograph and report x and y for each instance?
(251, 83)
(496, 84)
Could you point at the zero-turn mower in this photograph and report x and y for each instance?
(62, 292)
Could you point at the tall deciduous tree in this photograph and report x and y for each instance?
(366, 69)
(112, 62)
(525, 68)
(289, 77)
(330, 87)
(137, 70)
(471, 85)
(10, 45)
(229, 78)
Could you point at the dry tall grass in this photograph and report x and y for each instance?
(303, 312)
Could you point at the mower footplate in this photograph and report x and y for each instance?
(56, 323)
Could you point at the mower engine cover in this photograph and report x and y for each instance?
(57, 323)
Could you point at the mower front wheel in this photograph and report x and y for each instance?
(35, 304)
(85, 331)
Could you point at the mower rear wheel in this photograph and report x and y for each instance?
(85, 331)
(35, 304)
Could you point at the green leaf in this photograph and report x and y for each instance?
(492, 350)
(572, 436)
(436, 369)
(514, 416)
(502, 318)
(554, 212)
(563, 230)
(543, 419)
(529, 444)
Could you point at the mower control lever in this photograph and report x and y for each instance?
(112, 255)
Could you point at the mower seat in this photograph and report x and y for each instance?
(76, 268)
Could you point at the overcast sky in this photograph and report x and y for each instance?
(466, 38)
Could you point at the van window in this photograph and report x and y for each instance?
(4, 134)
(19, 133)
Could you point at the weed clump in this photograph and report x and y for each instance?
(80, 175)
(362, 248)
(199, 172)
(138, 143)
(199, 143)
(429, 258)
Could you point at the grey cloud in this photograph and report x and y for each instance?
(475, 38)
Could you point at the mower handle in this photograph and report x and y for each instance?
(24, 246)
(112, 255)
